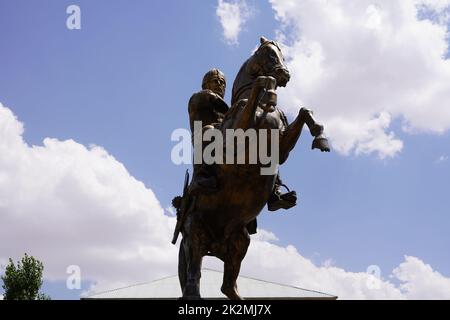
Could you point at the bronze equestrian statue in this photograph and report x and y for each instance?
(215, 215)
(209, 107)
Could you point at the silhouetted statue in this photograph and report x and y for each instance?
(218, 209)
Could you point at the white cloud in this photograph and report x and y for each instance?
(328, 263)
(360, 64)
(420, 281)
(232, 16)
(364, 136)
(69, 205)
(265, 236)
(287, 265)
(171, 211)
(441, 159)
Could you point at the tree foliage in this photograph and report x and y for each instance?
(23, 282)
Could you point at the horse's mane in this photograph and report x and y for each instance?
(238, 86)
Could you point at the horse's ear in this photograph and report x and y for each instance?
(263, 40)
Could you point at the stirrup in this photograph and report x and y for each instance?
(284, 201)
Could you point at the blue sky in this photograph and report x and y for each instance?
(123, 81)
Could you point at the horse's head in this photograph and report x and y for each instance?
(269, 61)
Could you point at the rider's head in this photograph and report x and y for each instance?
(214, 80)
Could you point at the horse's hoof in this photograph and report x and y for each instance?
(191, 298)
(231, 293)
(191, 292)
(321, 143)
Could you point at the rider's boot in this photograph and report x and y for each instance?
(278, 200)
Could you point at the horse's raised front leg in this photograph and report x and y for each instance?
(266, 99)
(292, 134)
(237, 249)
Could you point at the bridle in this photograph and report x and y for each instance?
(277, 66)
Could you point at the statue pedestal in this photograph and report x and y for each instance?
(249, 288)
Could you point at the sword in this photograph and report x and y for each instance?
(182, 209)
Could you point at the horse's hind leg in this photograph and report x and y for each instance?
(237, 249)
(193, 253)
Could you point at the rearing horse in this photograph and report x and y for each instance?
(215, 224)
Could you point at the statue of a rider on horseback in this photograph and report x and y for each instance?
(218, 209)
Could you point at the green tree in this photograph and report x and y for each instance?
(22, 282)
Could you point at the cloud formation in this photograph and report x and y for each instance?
(360, 65)
(441, 159)
(287, 265)
(70, 205)
(420, 281)
(232, 16)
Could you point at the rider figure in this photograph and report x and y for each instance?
(209, 107)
